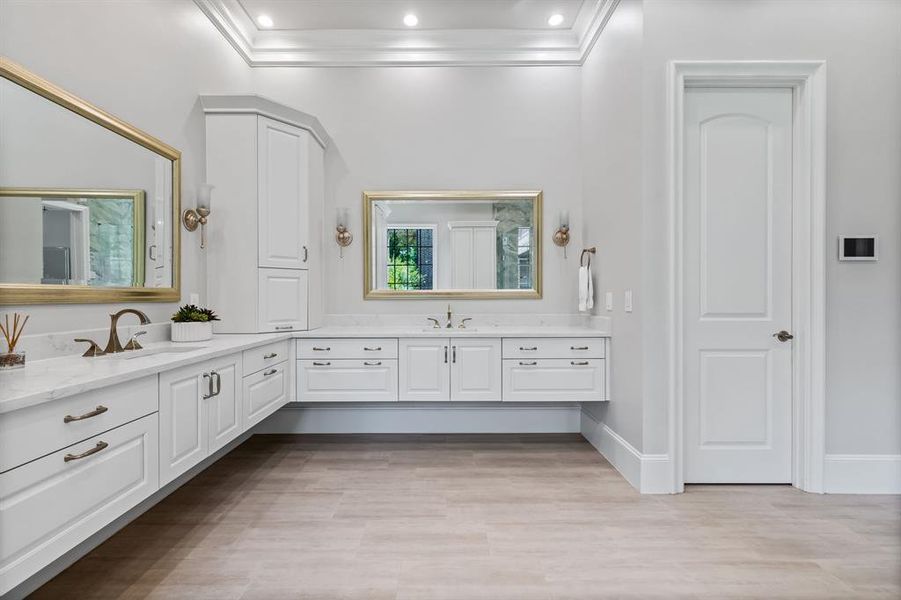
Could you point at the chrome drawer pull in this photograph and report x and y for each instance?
(315, 349)
(284, 326)
(100, 446)
(532, 349)
(97, 411)
(578, 347)
(527, 364)
(579, 363)
(270, 355)
(377, 363)
(270, 372)
(378, 349)
(321, 364)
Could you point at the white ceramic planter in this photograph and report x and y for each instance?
(192, 332)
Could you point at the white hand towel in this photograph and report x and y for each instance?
(586, 289)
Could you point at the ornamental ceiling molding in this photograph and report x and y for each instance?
(394, 47)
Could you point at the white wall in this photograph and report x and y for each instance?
(612, 212)
(861, 42)
(442, 128)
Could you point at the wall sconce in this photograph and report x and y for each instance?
(194, 217)
(342, 236)
(561, 236)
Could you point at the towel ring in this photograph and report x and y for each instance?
(589, 251)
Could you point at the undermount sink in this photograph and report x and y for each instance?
(445, 330)
(128, 355)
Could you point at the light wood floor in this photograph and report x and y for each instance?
(493, 517)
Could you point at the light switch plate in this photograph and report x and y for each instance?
(627, 301)
(608, 301)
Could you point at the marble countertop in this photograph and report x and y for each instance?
(431, 332)
(45, 380)
(53, 378)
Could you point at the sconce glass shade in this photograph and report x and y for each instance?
(205, 196)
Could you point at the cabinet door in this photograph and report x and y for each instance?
(284, 195)
(283, 299)
(183, 430)
(476, 369)
(265, 392)
(224, 406)
(424, 369)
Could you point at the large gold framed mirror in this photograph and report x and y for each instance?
(452, 244)
(89, 204)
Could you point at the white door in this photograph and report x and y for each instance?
(737, 285)
(183, 430)
(424, 369)
(224, 406)
(283, 299)
(476, 369)
(284, 195)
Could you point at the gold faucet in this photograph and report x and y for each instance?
(113, 345)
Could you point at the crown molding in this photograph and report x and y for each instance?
(376, 48)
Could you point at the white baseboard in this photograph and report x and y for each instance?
(648, 473)
(862, 474)
(468, 417)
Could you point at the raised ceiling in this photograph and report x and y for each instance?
(372, 32)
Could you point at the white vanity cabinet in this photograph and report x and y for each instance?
(265, 240)
(200, 411)
(267, 381)
(555, 369)
(442, 369)
(347, 370)
(453, 369)
(69, 468)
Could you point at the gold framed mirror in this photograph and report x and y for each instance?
(452, 244)
(89, 204)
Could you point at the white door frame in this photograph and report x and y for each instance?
(808, 81)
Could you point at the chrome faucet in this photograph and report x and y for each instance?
(450, 322)
(114, 345)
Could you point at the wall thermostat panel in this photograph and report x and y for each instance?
(858, 247)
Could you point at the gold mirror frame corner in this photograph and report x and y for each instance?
(369, 198)
(15, 294)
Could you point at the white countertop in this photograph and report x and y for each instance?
(45, 380)
(431, 332)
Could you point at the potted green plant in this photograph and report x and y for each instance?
(191, 323)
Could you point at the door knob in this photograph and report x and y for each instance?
(783, 336)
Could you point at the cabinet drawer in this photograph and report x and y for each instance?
(50, 505)
(38, 430)
(347, 348)
(553, 348)
(257, 359)
(264, 393)
(346, 380)
(550, 380)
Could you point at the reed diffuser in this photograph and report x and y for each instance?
(11, 333)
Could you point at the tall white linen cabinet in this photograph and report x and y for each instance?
(265, 234)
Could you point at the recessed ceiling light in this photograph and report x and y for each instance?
(411, 20)
(555, 19)
(265, 21)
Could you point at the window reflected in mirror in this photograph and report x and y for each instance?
(453, 244)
